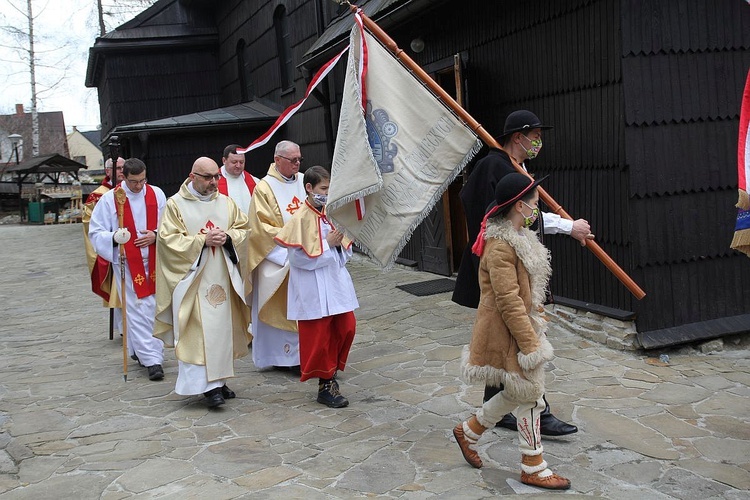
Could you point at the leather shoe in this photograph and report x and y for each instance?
(509, 422)
(551, 482)
(155, 372)
(214, 398)
(227, 393)
(549, 424)
(470, 455)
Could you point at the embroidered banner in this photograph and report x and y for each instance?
(400, 153)
(741, 240)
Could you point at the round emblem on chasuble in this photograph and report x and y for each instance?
(216, 295)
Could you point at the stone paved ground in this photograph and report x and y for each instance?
(70, 427)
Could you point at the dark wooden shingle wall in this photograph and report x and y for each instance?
(684, 65)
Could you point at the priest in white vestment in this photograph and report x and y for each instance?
(201, 309)
(239, 185)
(275, 199)
(142, 211)
(235, 181)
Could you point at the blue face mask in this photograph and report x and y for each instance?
(319, 199)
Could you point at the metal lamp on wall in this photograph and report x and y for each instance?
(15, 139)
(417, 45)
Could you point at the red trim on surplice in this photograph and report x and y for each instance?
(142, 284)
(249, 181)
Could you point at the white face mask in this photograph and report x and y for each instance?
(319, 199)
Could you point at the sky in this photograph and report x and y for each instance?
(64, 31)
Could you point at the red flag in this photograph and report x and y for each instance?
(741, 240)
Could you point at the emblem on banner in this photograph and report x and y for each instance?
(380, 131)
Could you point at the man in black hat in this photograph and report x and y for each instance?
(521, 141)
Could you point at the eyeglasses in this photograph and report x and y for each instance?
(136, 182)
(293, 160)
(208, 177)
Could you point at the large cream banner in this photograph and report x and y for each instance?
(400, 154)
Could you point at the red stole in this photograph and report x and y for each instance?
(143, 285)
(99, 275)
(249, 181)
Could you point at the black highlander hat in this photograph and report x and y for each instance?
(511, 188)
(521, 120)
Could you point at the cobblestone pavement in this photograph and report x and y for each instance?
(70, 427)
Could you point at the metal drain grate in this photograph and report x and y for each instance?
(429, 287)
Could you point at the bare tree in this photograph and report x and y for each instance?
(25, 40)
(25, 45)
(119, 11)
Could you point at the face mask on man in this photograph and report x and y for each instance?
(319, 199)
(534, 148)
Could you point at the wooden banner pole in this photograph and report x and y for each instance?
(485, 136)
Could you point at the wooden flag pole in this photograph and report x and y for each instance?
(391, 45)
(120, 199)
(114, 153)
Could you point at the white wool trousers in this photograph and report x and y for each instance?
(527, 417)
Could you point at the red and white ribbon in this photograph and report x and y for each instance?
(289, 112)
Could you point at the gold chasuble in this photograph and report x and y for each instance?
(200, 297)
(273, 204)
(99, 270)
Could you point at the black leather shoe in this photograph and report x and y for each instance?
(214, 398)
(509, 422)
(227, 393)
(155, 372)
(135, 358)
(550, 425)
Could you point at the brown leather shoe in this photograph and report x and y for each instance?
(551, 482)
(470, 455)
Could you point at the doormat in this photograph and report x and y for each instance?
(429, 287)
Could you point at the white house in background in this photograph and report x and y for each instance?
(84, 148)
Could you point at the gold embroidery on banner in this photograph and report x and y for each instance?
(216, 295)
(139, 279)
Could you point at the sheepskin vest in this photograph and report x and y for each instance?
(509, 343)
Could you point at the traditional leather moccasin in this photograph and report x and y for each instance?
(551, 482)
(470, 455)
